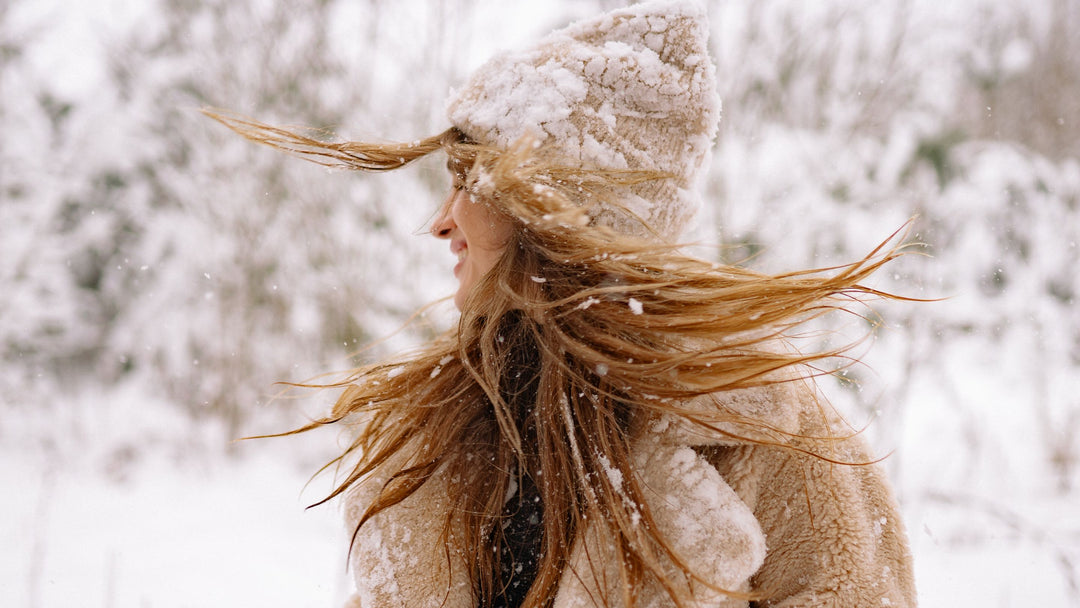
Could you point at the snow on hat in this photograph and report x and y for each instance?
(631, 89)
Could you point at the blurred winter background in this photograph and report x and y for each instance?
(159, 274)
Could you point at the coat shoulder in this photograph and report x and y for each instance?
(834, 535)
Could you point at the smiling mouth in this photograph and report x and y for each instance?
(461, 250)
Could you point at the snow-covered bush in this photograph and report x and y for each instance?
(146, 243)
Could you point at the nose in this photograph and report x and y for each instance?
(443, 224)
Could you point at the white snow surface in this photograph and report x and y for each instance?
(109, 516)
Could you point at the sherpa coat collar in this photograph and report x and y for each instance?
(793, 528)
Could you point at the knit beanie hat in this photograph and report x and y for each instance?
(632, 89)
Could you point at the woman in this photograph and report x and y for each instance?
(613, 422)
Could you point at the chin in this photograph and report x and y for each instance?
(460, 297)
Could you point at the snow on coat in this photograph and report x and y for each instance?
(794, 528)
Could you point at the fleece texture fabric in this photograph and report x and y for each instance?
(793, 529)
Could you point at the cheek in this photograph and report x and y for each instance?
(485, 230)
(498, 232)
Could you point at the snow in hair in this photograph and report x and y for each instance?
(633, 89)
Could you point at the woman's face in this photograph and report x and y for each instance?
(477, 236)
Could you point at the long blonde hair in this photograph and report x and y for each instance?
(576, 336)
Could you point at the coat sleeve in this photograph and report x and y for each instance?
(833, 532)
(707, 524)
(400, 558)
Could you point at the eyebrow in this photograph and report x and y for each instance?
(457, 168)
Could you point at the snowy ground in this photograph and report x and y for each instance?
(108, 520)
(226, 533)
(105, 521)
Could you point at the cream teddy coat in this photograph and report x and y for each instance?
(792, 528)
